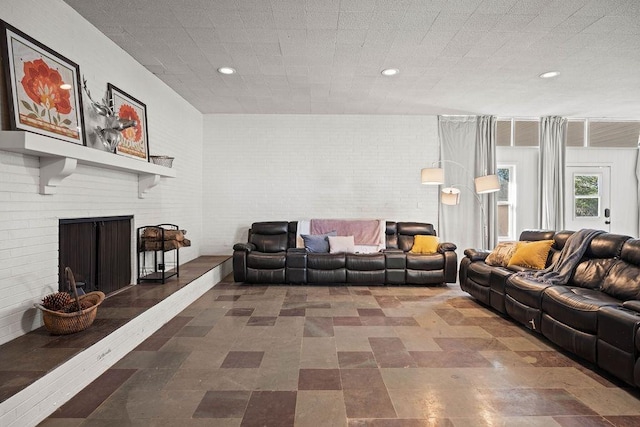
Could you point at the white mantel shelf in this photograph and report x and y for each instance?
(59, 159)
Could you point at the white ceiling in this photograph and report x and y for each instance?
(325, 56)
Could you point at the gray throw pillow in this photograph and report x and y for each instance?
(317, 243)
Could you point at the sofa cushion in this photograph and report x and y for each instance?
(424, 245)
(262, 260)
(317, 242)
(501, 254)
(526, 291)
(576, 307)
(606, 245)
(365, 262)
(622, 282)
(531, 254)
(425, 262)
(270, 236)
(320, 261)
(590, 273)
(529, 235)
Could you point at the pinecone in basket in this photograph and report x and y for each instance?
(73, 306)
(56, 301)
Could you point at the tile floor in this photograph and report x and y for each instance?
(246, 355)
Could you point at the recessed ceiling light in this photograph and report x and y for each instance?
(549, 74)
(65, 86)
(390, 72)
(226, 70)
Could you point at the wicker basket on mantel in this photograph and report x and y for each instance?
(165, 161)
(59, 323)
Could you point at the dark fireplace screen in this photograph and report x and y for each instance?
(98, 250)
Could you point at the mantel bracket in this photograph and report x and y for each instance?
(53, 171)
(146, 183)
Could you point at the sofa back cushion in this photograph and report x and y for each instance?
(392, 235)
(559, 240)
(598, 261)
(531, 235)
(622, 280)
(270, 236)
(406, 231)
(606, 245)
(590, 273)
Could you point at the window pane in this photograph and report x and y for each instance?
(503, 220)
(613, 134)
(588, 207)
(503, 177)
(585, 185)
(526, 134)
(575, 133)
(503, 133)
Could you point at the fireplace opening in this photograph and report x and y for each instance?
(98, 251)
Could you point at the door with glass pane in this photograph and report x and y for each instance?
(587, 197)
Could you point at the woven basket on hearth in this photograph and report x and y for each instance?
(59, 323)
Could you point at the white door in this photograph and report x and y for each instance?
(587, 201)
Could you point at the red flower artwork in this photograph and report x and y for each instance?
(42, 85)
(129, 113)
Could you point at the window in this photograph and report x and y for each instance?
(580, 133)
(586, 196)
(517, 133)
(613, 134)
(503, 133)
(525, 133)
(506, 203)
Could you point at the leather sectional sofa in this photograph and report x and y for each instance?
(271, 256)
(596, 315)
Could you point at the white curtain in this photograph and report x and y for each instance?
(638, 184)
(486, 165)
(467, 150)
(553, 139)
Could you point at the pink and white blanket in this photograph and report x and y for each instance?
(364, 231)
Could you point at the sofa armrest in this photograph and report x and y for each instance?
(247, 247)
(632, 305)
(450, 266)
(446, 246)
(476, 254)
(240, 251)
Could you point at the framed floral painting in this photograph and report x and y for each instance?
(135, 139)
(43, 88)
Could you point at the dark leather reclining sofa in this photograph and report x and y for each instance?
(271, 256)
(596, 315)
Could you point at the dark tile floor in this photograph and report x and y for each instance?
(245, 355)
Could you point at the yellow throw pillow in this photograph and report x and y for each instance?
(531, 254)
(424, 244)
(501, 254)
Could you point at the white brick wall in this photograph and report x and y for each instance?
(29, 221)
(289, 167)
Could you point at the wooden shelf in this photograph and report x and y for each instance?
(59, 159)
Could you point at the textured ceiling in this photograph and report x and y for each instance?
(325, 56)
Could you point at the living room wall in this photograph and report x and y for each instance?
(290, 167)
(29, 220)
